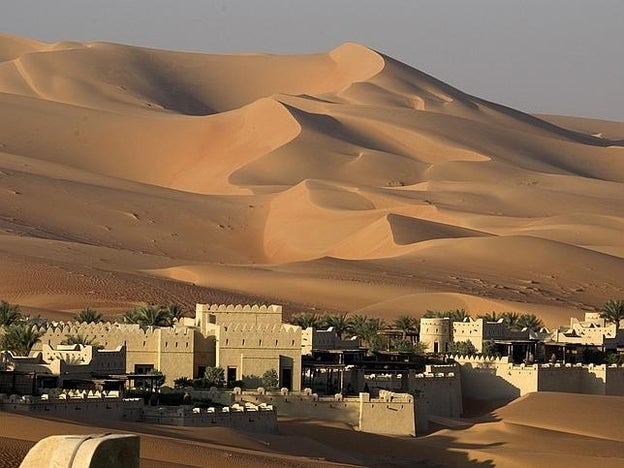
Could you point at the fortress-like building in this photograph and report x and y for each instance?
(249, 340)
(245, 341)
(439, 332)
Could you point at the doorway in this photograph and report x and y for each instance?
(286, 380)
(231, 374)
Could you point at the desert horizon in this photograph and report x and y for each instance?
(343, 181)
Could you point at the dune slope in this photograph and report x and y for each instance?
(344, 181)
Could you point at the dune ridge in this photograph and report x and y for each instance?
(357, 178)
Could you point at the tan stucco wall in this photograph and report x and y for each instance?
(308, 406)
(441, 391)
(491, 378)
(434, 330)
(251, 338)
(392, 414)
(220, 314)
(469, 331)
(253, 350)
(172, 351)
(615, 380)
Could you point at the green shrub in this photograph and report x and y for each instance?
(270, 379)
(465, 348)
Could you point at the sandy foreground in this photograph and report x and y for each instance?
(342, 181)
(541, 429)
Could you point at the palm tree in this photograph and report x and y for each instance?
(491, 317)
(306, 320)
(154, 316)
(375, 324)
(406, 324)
(88, 315)
(456, 315)
(175, 311)
(132, 316)
(79, 340)
(370, 333)
(511, 319)
(434, 314)
(20, 338)
(339, 322)
(530, 321)
(358, 323)
(149, 316)
(613, 312)
(9, 314)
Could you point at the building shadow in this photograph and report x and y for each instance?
(373, 450)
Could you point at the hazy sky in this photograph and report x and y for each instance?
(554, 56)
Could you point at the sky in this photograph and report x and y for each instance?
(540, 56)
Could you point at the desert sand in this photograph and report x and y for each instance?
(540, 429)
(338, 181)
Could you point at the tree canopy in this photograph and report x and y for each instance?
(530, 321)
(88, 315)
(149, 315)
(339, 322)
(306, 320)
(9, 313)
(79, 340)
(455, 315)
(465, 348)
(407, 324)
(613, 312)
(19, 338)
(270, 379)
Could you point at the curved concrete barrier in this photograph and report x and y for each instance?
(85, 451)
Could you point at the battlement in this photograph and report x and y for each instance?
(247, 416)
(239, 308)
(390, 413)
(478, 358)
(107, 328)
(392, 397)
(221, 314)
(438, 375)
(245, 328)
(112, 335)
(76, 404)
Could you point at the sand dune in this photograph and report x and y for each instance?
(343, 181)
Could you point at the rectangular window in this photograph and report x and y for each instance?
(143, 368)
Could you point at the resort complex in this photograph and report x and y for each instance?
(233, 360)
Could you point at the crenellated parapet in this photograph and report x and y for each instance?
(438, 375)
(386, 396)
(247, 416)
(222, 314)
(239, 308)
(75, 405)
(261, 328)
(478, 359)
(114, 334)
